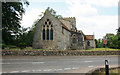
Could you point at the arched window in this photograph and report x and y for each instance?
(74, 38)
(51, 34)
(88, 43)
(47, 30)
(43, 34)
(47, 34)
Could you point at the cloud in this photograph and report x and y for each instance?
(30, 17)
(46, 1)
(103, 3)
(87, 17)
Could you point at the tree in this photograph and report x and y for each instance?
(53, 12)
(11, 16)
(114, 41)
(30, 34)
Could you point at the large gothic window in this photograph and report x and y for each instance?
(47, 30)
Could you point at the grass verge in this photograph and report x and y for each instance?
(102, 49)
(112, 71)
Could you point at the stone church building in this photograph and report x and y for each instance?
(60, 34)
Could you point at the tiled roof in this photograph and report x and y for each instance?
(89, 37)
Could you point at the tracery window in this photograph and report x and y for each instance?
(47, 30)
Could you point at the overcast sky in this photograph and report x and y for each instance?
(92, 16)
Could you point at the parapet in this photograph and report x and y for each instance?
(69, 18)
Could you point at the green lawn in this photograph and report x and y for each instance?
(112, 71)
(102, 49)
(28, 48)
(94, 49)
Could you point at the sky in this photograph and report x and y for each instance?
(96, 17)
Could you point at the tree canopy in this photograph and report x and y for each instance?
(113, 41)
(11, 16)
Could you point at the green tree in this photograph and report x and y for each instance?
(53, 12)
(30, 34)
(11, 16)
(114, 41)
(118, 35)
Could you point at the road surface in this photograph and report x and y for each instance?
(54, 64)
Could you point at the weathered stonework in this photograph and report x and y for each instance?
(65, 34)
(56, 53)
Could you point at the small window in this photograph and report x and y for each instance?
(88, 43)
(74, 40)
(47, 19)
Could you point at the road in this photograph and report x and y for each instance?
(54, 64)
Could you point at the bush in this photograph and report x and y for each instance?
(3, 46)
(22, 45)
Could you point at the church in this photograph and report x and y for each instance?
(60, 34)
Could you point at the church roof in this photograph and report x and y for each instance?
(89, 37)
(64, 26)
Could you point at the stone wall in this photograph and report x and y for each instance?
(66, 39)
(79, 42)
(56, 53)
(92, 44)
(56, 43)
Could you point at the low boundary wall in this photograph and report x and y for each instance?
(56, 53)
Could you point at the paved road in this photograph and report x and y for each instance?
(54, 64)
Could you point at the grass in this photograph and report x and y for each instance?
(94, 49)
(28, 48)
(102, 49)
(112, 71)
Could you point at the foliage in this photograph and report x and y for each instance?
(11, 16)
(112, 71)
(3, 45)
(53, 12)
(99, 43)
(101, 49)
(113, 41)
